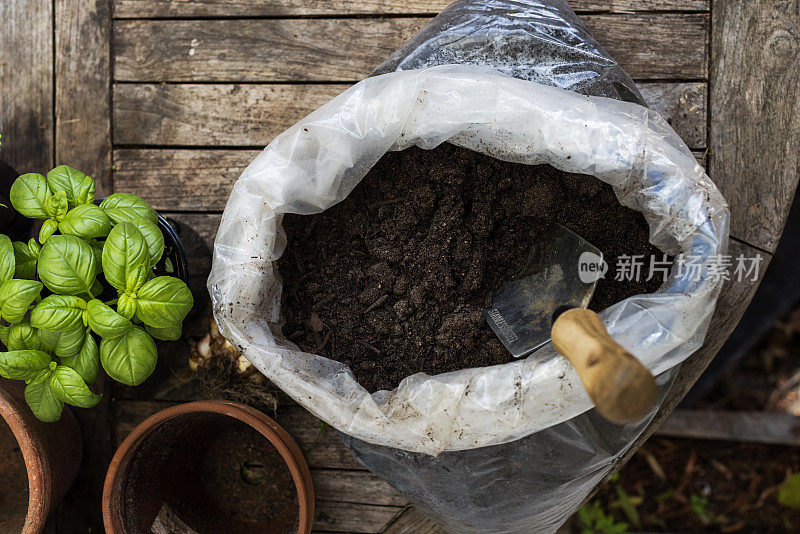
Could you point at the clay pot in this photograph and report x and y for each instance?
(156, 475)
(38, 461)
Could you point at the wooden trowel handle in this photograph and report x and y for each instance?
(622, 389)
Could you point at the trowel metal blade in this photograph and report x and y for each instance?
(562, 272)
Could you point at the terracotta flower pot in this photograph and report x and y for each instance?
(160, 474)
(38, 461)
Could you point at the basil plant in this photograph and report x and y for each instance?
(56, 326)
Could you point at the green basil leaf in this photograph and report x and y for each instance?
(48, 340)
(97, 248)
(8, 261)
(58, 313)
(69, 343)
(23, 336)
(67, 265)
(28, 195)
(48, 229)
(43, 402)
(16, 295)
(104, 321)
(169, 333)
(78, 187)
(164, 301)
(26, 258)
(129, 358)
(87, 221)
(57, 206)
(152, 236)
(122, 207)
(126, 305)
(87, 361)
(69, 387)
(126, 259)
(23, 364)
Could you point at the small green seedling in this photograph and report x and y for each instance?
(57, 331)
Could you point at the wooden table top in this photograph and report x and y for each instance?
(172, 99)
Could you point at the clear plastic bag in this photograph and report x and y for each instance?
(509, 448)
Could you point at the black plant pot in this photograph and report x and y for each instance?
(14, 225)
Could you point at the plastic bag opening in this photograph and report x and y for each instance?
(318, 161)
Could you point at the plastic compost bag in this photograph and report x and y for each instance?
(507, 448)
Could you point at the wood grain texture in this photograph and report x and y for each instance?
(353, 518)
(412, 521)
(647, 46)
(26, 85)
(215, 115)
(83, 95)
(772, 428)
(256, 50)
(355, 487)
(287, 8)
(755, 109)
(252, 115)
(161, 176)
(732, 302)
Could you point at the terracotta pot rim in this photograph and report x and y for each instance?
(39, 479)
(282, 441)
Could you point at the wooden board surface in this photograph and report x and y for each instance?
(26, 85)
(773, 428)
(83, 100)
(756, 110)
(665, 46)
(284, 8)
(219, 115)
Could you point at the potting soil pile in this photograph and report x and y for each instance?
(392, 281)
(512, 447)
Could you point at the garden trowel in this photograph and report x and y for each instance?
(548, 301)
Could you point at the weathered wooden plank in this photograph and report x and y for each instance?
(755, 109)
(83, 94)
(287, 8)
(256, 50)
(772, 428)
(320, 444)
(666, 46)
(221, 115)
(684, 105)
(190, 180)
(26, 85)
(732, 302)
(252, 115)
(412, 521)
(353, 518)
(355, 487)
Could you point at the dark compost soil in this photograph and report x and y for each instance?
(393, 280)
(215, 475)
